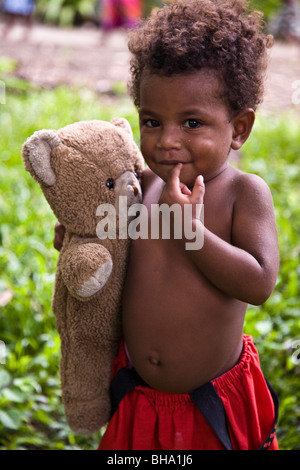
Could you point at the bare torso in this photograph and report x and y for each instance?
(179, 329)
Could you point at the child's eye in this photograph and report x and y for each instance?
(192, 123)
(151, 123)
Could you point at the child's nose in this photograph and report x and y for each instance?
(169, 139)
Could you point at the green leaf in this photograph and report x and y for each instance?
(10, 419)
(5, 378)
(264, 327)
(14, 395)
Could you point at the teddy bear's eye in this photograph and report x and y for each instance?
(136, 175)
(110, 183)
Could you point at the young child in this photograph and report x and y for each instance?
(286, 25)
(120, 13)
(18, 10)
(186, 377)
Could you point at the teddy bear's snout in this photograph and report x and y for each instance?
(128, 185)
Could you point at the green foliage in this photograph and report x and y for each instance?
(272, 152)
(31, 414)
(268, 7)
(150, 4)
(66, 12)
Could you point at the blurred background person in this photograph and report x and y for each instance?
(17, 11)
(286, 25)
(120, 13)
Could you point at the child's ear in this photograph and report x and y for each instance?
(242, 125)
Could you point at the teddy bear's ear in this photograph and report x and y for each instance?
(123, 123)
(37, 151)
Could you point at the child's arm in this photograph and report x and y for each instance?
(59, 234)
(246, 269)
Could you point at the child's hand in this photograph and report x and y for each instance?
(59, 236)
(176, 192)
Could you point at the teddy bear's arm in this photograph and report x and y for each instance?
(85, 269)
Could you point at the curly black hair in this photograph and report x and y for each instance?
(188, 35)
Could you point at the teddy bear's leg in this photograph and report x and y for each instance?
(85, 370)
(85, 269)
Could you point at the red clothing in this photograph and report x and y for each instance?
(147, 419)
(115, 13)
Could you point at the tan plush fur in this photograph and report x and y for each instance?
(72, 166)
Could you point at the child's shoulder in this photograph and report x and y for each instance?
(250, 189)
(248, 182)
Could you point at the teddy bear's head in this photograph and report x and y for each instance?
(82, 166)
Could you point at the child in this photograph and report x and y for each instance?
(117, 13)
(186, 377)
(286, 25)
(18, 9)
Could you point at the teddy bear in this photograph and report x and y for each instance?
(82, 168)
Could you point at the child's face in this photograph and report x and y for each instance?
(183, 119)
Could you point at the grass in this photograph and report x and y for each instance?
(31, 414)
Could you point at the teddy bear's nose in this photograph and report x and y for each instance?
(135, 190)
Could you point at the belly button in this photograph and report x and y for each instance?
(154, 361)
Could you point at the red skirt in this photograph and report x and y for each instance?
(147, 419)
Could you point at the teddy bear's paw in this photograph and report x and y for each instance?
(97, 281)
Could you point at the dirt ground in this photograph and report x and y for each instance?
(86, 57)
